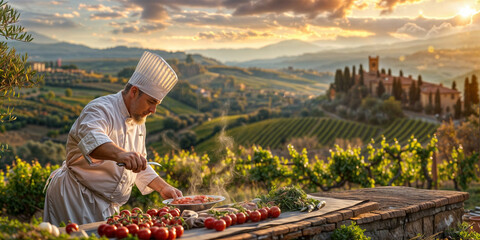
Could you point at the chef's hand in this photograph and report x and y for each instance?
(133, 161)
(170, 192)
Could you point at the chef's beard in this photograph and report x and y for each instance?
(139, 119)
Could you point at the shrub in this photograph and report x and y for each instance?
(352, 232)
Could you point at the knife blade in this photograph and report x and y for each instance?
(150, 163)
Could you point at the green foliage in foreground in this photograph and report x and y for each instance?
(352, 232)
(255, 168)
(14, 229)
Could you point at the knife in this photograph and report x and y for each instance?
(150, 163)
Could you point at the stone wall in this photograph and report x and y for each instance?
(390, 213)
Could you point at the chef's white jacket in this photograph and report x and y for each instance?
(83, 193)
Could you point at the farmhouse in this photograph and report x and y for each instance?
(448, 96)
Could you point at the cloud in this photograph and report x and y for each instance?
(201, 18)
(311, 8)
(138, 28)
(107, 15)
(387, 6)
(231, 36)
(67, 15)
(47, 21)
(95, 8)
(444, 28)
(412, 29)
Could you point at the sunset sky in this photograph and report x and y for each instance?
(200, 24)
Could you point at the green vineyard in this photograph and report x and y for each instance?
(403, 129)
(274, 133)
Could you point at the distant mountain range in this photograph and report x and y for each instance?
(437, 59)
(280, 49)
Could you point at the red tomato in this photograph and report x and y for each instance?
(110, 231)
(133, 229)
(118, 225)
(233, 217)
(176, 221)
(144, 234)
(241, 218)
(209, 223)
(172, 233)
(179, 229)
(220, 225)
(101, 229)
(71, 227)
(146, 217)
(152, 212)
(263, 213)
(266, 208)
(160, 224)
(274, 212)
(143, 225)
(228, 220)
(137, 210)
(121, 232)
(125, 213)
(174, 212)
(255, 216)
(161, 234)
(154, 229)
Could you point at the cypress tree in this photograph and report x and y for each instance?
(362, 81)
(389, 72)
(474, 99)
(412, 94)
(454, 85)
(438, 104)
(346, 79)
(430, 101)
(353, 75)
(401, 73)
(380, 88)
(466, 97)
(383, 71)
(338, 80)
(420, 82)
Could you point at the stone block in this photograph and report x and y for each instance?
(346, 214)
(328, 227)
(242, 236)
(440, 202)
(398, 233)
(310, 231)
(366, 218)
(413, 228)
(428, 225)
(426, 205)
(299, 225)
(263, 233)
(316, 221)
(447, 219)
(280, 230)
(380, 234)
(323, 236)
(420, 214)
(411, 209)
(454, 206)
(364, 208)
(439, 209)
(292, 235)
(333, 217)
(382, 225)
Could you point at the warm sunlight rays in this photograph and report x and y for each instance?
(467, 11)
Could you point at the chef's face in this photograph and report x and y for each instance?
(142, 106)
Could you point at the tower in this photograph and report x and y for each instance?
(373, 64)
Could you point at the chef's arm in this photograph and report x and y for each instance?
(110, 151)
(165, 189)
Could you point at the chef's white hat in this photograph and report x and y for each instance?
(153, 76)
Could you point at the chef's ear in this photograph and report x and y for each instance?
(134, 91)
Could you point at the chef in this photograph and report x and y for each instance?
(110, 131)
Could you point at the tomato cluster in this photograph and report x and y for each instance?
(195, 200)
(225, 220)
(157, 224)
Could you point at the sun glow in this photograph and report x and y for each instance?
(467, 11)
